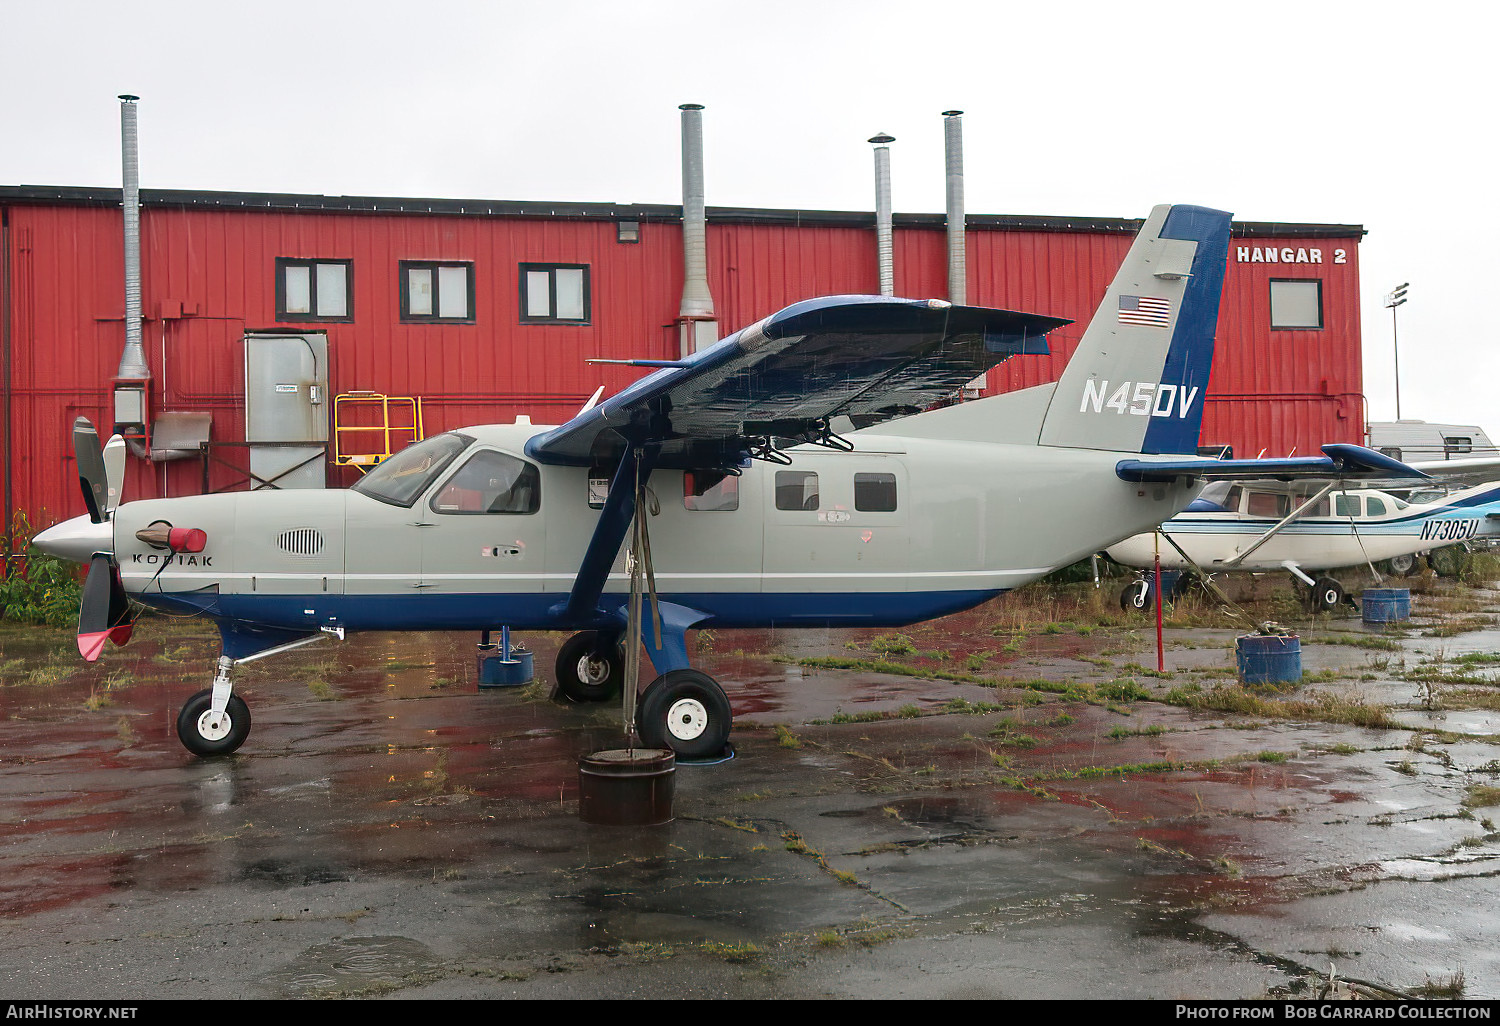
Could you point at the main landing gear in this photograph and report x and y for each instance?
(1324, 595)
(591, 667)
(684, 710)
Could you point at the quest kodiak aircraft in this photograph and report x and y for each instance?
(788, 474)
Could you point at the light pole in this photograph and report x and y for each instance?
(1396, 298)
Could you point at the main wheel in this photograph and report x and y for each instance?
(590, 667)
(199, 733)
(1137, 595)
(686, 711)
(1448, 561)
(1326, 594)
(1402, 566)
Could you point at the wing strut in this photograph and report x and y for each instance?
(609, 534)
(1276, 527)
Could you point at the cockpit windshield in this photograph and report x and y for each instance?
(403, 477)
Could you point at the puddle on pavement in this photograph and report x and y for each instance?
(355, 966)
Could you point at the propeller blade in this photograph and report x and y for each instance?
(121, 616)
(105, 613)
(94, 610)
(114, 473)
(92, 478)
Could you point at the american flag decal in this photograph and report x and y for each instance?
(1147, 310)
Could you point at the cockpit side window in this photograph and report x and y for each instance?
(491, 482)
(400, 479)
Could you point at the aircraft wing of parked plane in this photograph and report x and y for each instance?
(791, 475)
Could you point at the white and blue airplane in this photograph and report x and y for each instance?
(795, 473)
(1266, 525)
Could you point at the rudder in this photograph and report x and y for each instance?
(1137, 380)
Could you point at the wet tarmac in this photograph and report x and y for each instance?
(1008, 803)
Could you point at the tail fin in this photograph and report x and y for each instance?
(1136, 382)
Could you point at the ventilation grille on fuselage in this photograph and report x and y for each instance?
(300, 541)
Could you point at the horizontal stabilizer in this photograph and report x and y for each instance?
(1339, 461)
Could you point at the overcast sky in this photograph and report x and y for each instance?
(1376, 114)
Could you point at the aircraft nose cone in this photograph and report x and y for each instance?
(77, 539)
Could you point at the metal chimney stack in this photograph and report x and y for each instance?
(953, 145)
(133, 359)
(697, 328)
(883, 257)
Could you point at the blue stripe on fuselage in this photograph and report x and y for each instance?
(534, 611)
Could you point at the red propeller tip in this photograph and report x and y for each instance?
(92, 644)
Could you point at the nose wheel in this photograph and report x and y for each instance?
(204, 733)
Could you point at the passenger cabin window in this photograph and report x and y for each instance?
(1267, 504)
(875, 493)
(1346, 506)
(491, 482)
(401, 478)
(1317, 509)
(1374, 507)
(796, 489)
(710, 491)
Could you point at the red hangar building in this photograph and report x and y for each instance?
(488, 310)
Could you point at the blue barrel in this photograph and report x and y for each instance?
(1268, 658)
(495, 671)
(1385, 605)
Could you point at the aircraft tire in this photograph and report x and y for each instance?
(583, 675)
(1448, 561)
(1402, 566)
(197, 737)
(1136, 596)
(685, 711)
(1325, 595)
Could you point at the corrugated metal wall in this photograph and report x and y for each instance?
(209, 276)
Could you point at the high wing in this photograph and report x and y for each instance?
(868, 358)
(1340, 461)
(1468, 468)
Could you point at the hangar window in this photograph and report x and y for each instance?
(875, 493)
(710, 490)
(314, 290)
(437, 291)
(491, 482)
(796, 489)
(555, 293)
(1296, 303)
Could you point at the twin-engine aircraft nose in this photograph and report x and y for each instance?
(77, 539)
